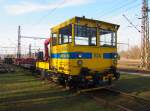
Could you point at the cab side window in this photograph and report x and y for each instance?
(54, 39)
(65, 35)
(107, 38)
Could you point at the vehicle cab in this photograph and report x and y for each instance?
(83, 43)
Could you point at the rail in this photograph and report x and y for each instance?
(120, 100)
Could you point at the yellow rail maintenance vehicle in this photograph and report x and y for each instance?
(82, 53)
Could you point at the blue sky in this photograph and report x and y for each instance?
(36, 17)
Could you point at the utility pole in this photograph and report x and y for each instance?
(19, 43)
(29, 50)
(145, 44)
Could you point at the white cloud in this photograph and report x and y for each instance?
(27, 7)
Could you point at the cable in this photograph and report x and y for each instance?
(117, 9)
(135, 6)
(114, 6)
(105, 11)
(123, 6)
(131, 23)
(131, 8)
(49, 13)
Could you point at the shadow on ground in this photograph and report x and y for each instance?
(134, 84)
(22, 92)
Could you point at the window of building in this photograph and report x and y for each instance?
(65, 35)
(107, 38)
(85, 35)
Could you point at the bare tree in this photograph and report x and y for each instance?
(132, 53)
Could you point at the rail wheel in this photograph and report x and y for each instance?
(109, 81)
(62, 80)
(117, 75)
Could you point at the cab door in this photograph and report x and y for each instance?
(54, 51)
(65, 40)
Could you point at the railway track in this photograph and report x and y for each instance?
(121, 101)
(110, 97)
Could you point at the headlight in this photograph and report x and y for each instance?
(79, 55)
(115, 56)
(79, 62)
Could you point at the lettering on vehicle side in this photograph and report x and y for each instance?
(97, 55)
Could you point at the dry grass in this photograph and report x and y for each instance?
(129, 64)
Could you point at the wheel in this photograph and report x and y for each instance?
(117, 75)
(73, 83)
(96, 79)
(109, 81)
(61, 80)
(44, 74)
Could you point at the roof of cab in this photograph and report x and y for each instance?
(74, 20)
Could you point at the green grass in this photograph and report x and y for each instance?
(21, 91)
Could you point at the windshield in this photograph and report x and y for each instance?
(85, 35)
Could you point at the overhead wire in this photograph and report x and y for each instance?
(124, 6)
(117, 9)
(102, 11)
(134, 6)
(114, 6)
(59, 5)
(49, 13)
(129, 8)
